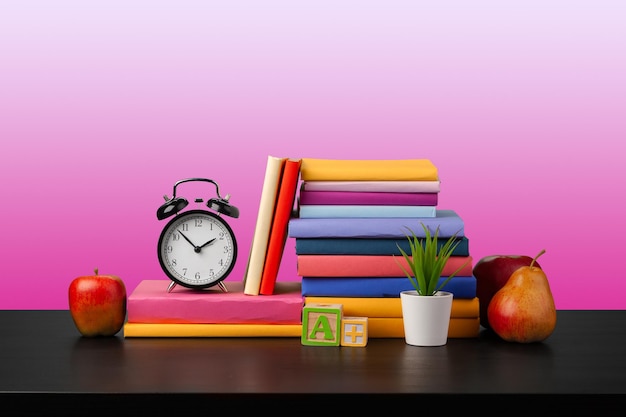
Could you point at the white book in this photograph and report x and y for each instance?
(260, 239)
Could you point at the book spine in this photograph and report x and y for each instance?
(150, 302)
(370, 265)
(278, 231)
(460, 286)
(459, 328)
(447, 221)
(267, 204)
(378, 327)
(344, 211)
(368, 170)
(367, 198)
(374, 186)
(211, 330)
(349, 246)
(391, 307)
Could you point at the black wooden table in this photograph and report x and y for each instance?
(45, 363)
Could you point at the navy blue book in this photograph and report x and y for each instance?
(460, 286)
(365, 246)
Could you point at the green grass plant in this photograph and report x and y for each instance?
(426, 261)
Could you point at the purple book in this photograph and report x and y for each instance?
(448, 222)
(367, 198)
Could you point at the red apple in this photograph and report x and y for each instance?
(491, 273)
(98, 304)
(523, 309)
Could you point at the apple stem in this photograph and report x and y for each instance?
(535, 258)
(95, 271)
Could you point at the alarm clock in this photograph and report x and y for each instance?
(197, 248)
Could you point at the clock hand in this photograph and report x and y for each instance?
(190, 242)
(208, 243)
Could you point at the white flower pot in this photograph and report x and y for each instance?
(426, 318)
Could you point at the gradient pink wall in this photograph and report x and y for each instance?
(104, 105)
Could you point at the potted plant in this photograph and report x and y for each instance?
(426, 309)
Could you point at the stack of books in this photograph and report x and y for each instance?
(353, 216)
(276, 205)
(183, 312)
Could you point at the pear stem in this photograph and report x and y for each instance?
(536, 257)
(95, 271)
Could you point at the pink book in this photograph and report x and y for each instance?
(367, 198)
(151, 303)
(370, 266)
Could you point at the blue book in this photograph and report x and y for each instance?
(460, 286)
(366, 246)
(448, 222)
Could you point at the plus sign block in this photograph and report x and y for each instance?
(321, 324)
(354, 331)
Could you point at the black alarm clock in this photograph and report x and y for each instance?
(197, 248)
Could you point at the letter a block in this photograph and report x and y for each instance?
(354, 331)
(321, 324)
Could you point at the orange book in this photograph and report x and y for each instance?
(391, 306)
(368, 170)
(211, 330)
(278, 233)
(378, 327)
(393, 327)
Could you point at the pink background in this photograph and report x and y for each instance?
(104, 105)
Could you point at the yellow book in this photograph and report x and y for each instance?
(391, 307)
(392, 327)
(378, 327)
(368, 170)
(211, 330)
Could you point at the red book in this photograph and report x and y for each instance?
(260, 238)
(370, 266)
(278, 232)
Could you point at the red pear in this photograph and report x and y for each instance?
(491, 273)
(523, 309)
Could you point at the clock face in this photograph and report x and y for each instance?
(197, 249)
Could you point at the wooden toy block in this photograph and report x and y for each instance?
(321, 324)
(354, 331)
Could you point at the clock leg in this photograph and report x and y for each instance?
(171, 286)
(222, 286)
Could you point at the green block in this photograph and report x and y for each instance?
(321, 324)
